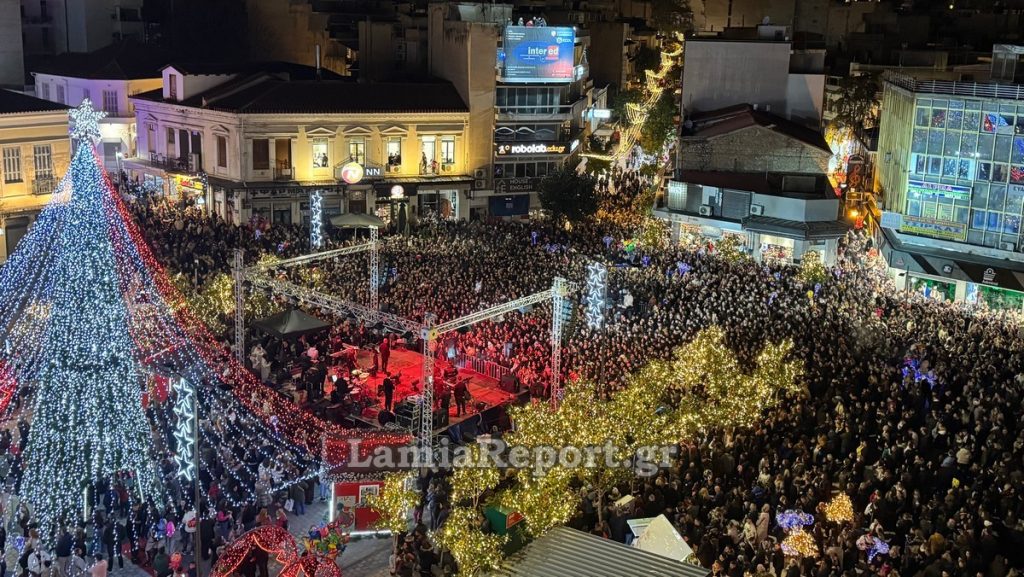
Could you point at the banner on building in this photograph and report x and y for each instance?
(935, 228)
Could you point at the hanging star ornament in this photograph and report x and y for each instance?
(86, 121)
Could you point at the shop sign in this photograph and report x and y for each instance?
(191, 183)
(530, 148)
(510, 185)
(892, 220)
(953, 191)
(989, 276)
(352, 173)
(372, 172)
(935, 228)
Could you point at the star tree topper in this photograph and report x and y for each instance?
(86, 121)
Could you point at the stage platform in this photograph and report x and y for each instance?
(409, 365)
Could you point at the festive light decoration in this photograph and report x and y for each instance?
(184, 434)
(702, 388)
(839, 509)
(472, 477)
(597, 289)
(316, 219)
(799, 544)
(87, 422)
(878, 547)
(86, 314)
(394, 501)
(86, 122)
(475, 552)
(812, 270)
(794, 520)
(313, 562)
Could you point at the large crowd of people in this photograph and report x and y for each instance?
(912, 406)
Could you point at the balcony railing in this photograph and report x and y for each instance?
(284, 172)
(171, 163)
(975, 89)
(44, 185)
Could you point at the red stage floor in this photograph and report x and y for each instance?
(409, 365)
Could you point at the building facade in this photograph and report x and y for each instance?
(107, 77)
(757, 176)
(759, 66)
(257, 145)
(12, 53)
(531, 119)
(951, 172)
(34, 154)
(59, 26)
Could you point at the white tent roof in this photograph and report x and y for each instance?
(657, 535)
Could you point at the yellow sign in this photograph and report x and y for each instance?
(190, 183)
(934, 228)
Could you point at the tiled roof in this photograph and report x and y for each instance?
(264, 94)
(292, 70)
(125, 60)
(738, 117)
(15, 103)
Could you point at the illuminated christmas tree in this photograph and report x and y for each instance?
(87, 421)
(89, 322)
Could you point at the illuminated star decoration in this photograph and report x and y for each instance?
(597, 289)
(794, 520)
(316, 217)
(86, 121)
(184, 434)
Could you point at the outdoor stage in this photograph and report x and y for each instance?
(408, 365)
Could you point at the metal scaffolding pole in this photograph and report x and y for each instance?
(374, 269)
(423, 423)
(239, 272)
(559, 290)
(308, 258)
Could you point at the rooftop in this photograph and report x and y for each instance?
(974, 89)
(17, 103)
(773, 183)
(738, 117)
(290, 69)
(125, 60)
(276, 94)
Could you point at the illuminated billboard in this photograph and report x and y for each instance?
(539, 53)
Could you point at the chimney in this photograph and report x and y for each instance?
(318, 62)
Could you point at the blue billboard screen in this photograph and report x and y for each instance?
(539, 53)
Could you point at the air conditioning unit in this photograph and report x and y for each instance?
(757, 209)
(705, 210)
(480, 174)
(1007, 246)
(478, 184)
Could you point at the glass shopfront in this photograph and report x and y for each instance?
(933, 288)
(776, 248)
(995, 298)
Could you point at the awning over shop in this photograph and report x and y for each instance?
(356, 220)
(565, 551)
(955, 266)
(796, 230)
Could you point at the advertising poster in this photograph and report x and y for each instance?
(539, 53)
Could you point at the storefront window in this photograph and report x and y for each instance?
(995, 298)
(932, 288)
(320, 156)
(776, 248)
(282, 214)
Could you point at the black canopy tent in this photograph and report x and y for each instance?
(291, 323)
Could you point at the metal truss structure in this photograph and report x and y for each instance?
(428, 330)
